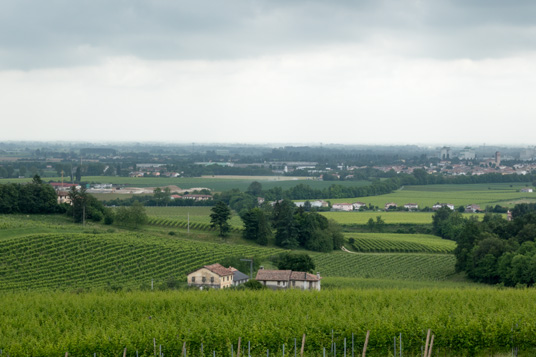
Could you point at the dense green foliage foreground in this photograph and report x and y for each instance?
(464, 321)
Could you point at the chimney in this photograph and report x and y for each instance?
(318, 275)
(261, 267)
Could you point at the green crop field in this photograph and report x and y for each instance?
(405, 266)
(465, 322)
(458, 195)
(406, 243)
(197, 214)
(85, 260)
(389, 217)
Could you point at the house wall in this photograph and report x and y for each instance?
(210, 279)
(294, 284)
(275, 285)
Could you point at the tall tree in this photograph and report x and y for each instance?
(256, 226)
(219, 218)
(283, 221)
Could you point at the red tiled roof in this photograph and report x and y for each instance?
(219, 269)
(285, 275)
(299, 275)
(265, 274)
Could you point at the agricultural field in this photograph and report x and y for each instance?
(458, 195)
(197, 214)
(404, 266)
(402, 243)
(77, 260)
(393, 217)
(465, 322)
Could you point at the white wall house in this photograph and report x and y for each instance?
(288, 279)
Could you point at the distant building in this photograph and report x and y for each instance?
(467, 154)
(197, 197)
(411, 206)
(347, 207)
(358, 205)
(439, 205)
(214, 276)
(472, 209)
(390, 205)
(527, 189)
(288, 279)
(445, 153)
(497, 159)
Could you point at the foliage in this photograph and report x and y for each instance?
(404, 243)
(49, 324)
(133, 216)
(295, 262)
(219, 218)
(256, 226)
(34, 197)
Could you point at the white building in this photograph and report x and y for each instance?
(288, 279)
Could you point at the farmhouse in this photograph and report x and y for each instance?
(214, 276)
(390, 205)
(439, 205)
(342, 207)
(472, 208)
(288, 279)
(526, 189)
(357, 205)
(411, 206)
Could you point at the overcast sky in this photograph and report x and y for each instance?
(277, 71)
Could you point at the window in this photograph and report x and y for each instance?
(204, 279)
(212, 279)
(193, 279)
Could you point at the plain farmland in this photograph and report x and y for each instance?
(458, 195)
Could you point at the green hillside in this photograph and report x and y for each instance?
(122, 260)
(405, 243)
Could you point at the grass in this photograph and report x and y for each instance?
(389, 217)
(458, 195)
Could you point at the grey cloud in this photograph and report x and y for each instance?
(55, 33)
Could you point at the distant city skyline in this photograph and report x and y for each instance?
(372, 72)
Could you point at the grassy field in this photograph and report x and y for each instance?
(406, 243)
(388, 217)
(427, 196)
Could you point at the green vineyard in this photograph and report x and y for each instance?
(403, 243)
(174, 223)
(386, 265)
(73, 260)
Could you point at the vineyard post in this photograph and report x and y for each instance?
(125, 352)
(202, 353)
(352, 344)
(366, 343)
(302, 345)
(213, 353)
(400, 344)
(238, 349)
(283, 350)
(183, 348)
(152, 289)
(188, 222)
(394, 346)
(334, 349)
(136, 354)
(249, 348)
(154, 339)
(295, 348)
(232, 350)
(66, 354)
(426, 344)
(345, 347)
(160, 351)
(431, 345)
(268, 352)
(324, 352)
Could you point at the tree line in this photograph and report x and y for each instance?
(34, 197)
(494, 250)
